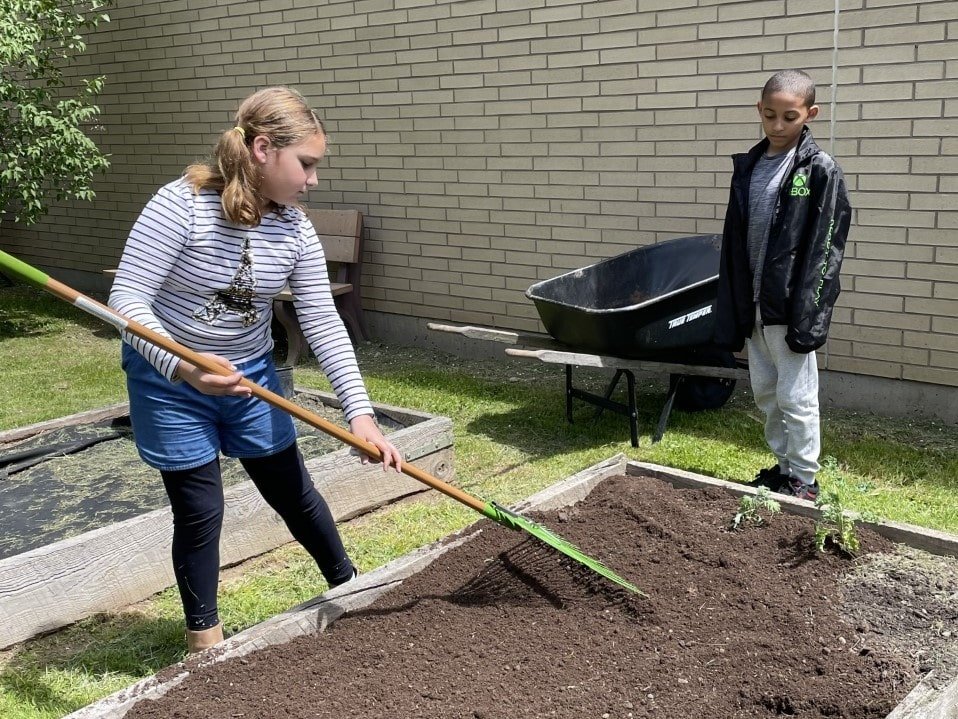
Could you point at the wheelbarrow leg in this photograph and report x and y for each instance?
(605, 402)
(674, 382)
(609, 390)
(633, 411)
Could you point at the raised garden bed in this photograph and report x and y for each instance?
(89, 531)
(488, 623)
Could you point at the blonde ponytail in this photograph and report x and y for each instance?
(278, 113)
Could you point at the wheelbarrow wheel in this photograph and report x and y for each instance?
(696, 393)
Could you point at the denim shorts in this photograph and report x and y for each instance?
(176, 427)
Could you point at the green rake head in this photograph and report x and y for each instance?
(508, 518)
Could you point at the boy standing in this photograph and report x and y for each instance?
(784, 236)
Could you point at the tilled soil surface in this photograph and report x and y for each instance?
(748, 623)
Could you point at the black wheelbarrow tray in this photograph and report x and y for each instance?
(650, 310)
(650, 302)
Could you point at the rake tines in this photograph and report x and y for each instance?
(516, 521)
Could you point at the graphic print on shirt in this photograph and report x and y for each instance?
(237, 298)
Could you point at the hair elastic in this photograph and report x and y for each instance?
(241, 131)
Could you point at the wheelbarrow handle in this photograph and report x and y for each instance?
(476, 333)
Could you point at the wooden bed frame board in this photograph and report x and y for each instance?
(52, 586)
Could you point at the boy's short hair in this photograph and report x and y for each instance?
(794, 82)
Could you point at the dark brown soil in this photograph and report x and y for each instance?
(737, 624)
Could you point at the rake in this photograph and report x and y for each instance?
(491, 510)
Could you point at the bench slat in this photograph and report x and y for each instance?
(345, 223)
(338, 288)
(338, 248)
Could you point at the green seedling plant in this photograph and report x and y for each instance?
(750, 508)
(835, 525)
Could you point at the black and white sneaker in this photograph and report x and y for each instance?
(801, 490)
(350, 578)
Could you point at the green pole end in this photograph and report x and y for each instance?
(21, 270)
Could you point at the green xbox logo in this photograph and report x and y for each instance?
(799, 186)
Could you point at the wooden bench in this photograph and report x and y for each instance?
(341, 235)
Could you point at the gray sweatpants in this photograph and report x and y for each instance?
(785, 386)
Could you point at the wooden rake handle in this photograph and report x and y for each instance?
(124, 324)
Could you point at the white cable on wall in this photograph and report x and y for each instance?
(831, 129)
(834, 105)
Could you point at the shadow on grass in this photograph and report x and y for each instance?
(128, 645)
(540, 429)
(522, 405)
(30, 312)
(536, 420)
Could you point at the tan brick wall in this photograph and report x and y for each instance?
(493, 143)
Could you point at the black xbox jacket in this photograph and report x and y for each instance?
(805, 247)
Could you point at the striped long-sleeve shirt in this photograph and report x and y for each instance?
(190, 274)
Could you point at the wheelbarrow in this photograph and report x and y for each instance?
(641, 304)
(648, 309)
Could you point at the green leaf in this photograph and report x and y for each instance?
(46, 150)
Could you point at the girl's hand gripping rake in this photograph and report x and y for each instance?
(493, 511)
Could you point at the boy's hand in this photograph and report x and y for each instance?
(210, 383)
(364, 427)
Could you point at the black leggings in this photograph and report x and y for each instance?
(196, 497)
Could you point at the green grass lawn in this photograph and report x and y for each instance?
(511, 440)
